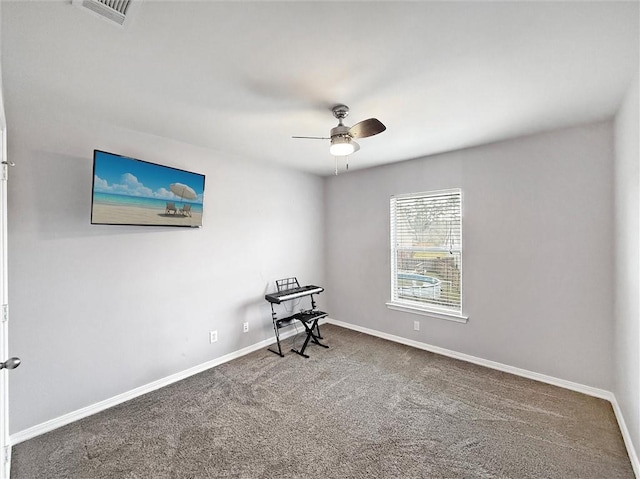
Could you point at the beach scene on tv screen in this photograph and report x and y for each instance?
(131, 192)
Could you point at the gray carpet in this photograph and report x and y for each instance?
(365, 408)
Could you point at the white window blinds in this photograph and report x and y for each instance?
(426, 250)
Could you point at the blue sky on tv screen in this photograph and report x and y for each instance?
(126, 176)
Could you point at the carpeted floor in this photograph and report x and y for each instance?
(365, 408)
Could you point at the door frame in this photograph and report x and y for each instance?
(5, 447)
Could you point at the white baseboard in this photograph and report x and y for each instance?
(73, 416)
(631, 450)
(581, 388)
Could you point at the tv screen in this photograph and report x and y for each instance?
(127, 191)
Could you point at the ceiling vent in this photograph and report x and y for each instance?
(115, 11)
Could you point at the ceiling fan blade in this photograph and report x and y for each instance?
(366, 128)
(356, 147)
(312, 137)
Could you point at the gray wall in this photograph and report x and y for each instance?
(99, 310)
(627, 215)
(538, 251)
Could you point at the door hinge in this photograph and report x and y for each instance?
(6, 454)
(5, 313)
(5, 169)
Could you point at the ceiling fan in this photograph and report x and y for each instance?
(342, 136)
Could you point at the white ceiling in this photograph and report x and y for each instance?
(241, 78)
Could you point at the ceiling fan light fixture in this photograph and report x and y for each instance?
(342, 146)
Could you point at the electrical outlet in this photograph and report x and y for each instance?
(213, 336)
(245, 327)
(416, 325)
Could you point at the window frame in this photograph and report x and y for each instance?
(422, 307)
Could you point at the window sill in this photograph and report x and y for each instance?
(405, 308)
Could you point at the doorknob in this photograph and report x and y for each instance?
(10, 363)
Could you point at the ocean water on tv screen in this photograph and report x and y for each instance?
(140, 201)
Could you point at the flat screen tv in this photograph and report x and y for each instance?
(127, 191)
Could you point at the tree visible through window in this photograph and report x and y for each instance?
(426, 250)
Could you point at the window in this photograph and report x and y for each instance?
(426, 253)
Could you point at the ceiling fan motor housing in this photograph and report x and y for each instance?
(340, 130)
